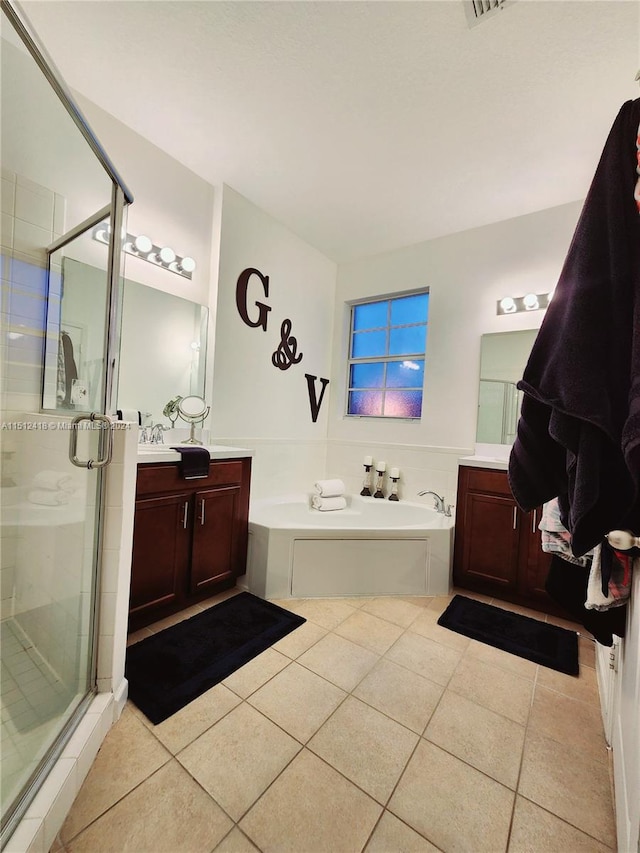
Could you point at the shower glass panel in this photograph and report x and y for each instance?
(56, 183)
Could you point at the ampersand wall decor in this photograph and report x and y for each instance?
(287, 352)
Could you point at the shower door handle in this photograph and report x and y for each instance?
(105, 442)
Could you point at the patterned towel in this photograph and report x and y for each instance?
(556, 539)
(619, 586)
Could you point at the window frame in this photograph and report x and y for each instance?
(385, 359)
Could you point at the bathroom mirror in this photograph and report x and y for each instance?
(162, 346)
(162, 349)
(503, 357)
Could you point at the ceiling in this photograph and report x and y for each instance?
(362, 126)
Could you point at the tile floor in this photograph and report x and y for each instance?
(369, 728)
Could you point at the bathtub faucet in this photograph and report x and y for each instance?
(439, 504)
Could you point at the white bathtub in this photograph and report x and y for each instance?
(374, 547)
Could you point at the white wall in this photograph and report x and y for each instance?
(466, 274)
(172, 205)
(254, 403)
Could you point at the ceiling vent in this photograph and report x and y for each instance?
(479, 10)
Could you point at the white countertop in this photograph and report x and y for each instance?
(478, 461)
(151, 453)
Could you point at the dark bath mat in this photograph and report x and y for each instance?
(172, 668)
(549, 645)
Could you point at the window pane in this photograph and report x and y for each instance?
(403, 404)
(407, 340)
(410, 309)
(365, 403)
(405, 374)
(367, 375)
(370, 316)
(366, 344)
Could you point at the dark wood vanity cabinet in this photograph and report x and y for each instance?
(189, 536)
(497, 548)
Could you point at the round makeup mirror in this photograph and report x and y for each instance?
(192, 408)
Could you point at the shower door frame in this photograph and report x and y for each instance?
(120, 198)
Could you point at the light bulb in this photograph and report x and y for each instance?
(187, 264)
(508, 305)
(142, 244)
(166, 255)
(530, 302)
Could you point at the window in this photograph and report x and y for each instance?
(386, 357)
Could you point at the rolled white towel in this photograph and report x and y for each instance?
(330, 488)
(47, 497)
(54, 480)
(328, 504)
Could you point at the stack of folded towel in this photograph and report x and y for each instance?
(51, 488)
(329, 495)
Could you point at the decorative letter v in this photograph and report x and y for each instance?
(313, 400)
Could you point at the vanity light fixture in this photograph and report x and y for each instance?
(143, 247)
(528, 302)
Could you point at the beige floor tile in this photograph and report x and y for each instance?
(392, 834)
(340, 661)
(495, 688)
(519, 608)
(311, 808)
(369, 631)
(236, 842)
(401, 694)
(569, 721)
(174, 619)
(216, 599)
(427, 626)
(252, 675)
(419, 654)
(571, 786)
(298, 700)
(365, 746)
(469, 593)
(190, 722)
(587, 652)
(486, 740)
(238, 758)
(440, 603)
(513, 663)
(326, 612)
(298, 641)
(357, 601)
(129, 754)
(418, 600)
(396, 610)
(454, 806)
(535, 830)
(566, 623)
(168, 813)
(136, 636)
(584, 687)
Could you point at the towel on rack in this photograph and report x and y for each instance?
(328, 504)
(579, 430)
(194, 462)
(54, 481)
(330, 488)
(46, 497)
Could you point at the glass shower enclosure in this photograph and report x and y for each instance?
(56, 370)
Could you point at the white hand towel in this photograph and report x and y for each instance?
(46, 497)
(328, 504)
(330, 488)
(54, 480)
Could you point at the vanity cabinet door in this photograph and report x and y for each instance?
(534, 561)
(215, 554)
(498, 548)
(487, 535)
(161, 541)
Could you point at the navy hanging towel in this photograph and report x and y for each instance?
(194, 463)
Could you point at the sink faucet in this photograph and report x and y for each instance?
(438, 502)
(156, 433)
